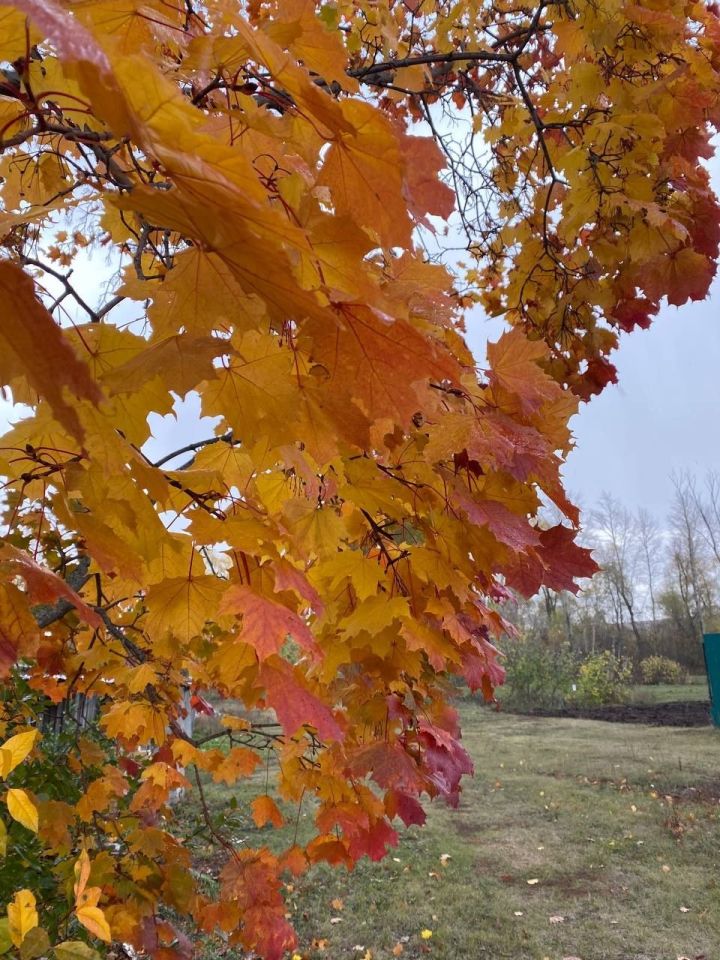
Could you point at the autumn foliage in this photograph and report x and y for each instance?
(256, 180)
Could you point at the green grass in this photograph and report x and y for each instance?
(695, 689)
(618, 827)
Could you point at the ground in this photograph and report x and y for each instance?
(662, 705)
(576, 839)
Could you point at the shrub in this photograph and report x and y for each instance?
(602, 678)
(654, 670)
(537, 675)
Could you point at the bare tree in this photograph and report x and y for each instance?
(707, 506)
(690, 554)
(615, 532)
(650, 545)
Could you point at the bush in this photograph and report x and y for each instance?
(538, 676)
(654, 670)
(602, 678)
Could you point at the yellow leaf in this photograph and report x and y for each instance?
(426, 934)
(14, 751)
(22, 809)
(82, 874)
(22, 916)
(93, 919)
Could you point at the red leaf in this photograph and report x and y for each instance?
(406, 807)
(446, 760)
(288, 577)
(294, 704)
(680, 276)
(389, 764)
(557, 563)
(266, 625)
(509, 528)
(564, 560)
(634, 312)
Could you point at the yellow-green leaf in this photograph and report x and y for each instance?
(5, 940)
(35, 944)
(22, 809)
(75, 950)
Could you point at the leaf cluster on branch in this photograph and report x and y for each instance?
(259, 181)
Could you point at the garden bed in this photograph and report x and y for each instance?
(682, 713)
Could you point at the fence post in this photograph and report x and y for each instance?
(711, 649)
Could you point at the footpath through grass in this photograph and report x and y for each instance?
(576, 839)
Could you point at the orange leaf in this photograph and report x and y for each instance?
(52, 369)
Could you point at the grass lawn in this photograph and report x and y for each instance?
(576, 839)
(696, 689)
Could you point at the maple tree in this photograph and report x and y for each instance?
(259, 178)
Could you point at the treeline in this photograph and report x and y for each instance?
(659, 587)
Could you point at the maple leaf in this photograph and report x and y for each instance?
(514, 367)
(294, 704)
(266, 625)
(681, 276)
(265, 810)
(56, 367)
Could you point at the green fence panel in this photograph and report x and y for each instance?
(711, 646)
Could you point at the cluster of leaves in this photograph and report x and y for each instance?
(251, 178)
(656, 669)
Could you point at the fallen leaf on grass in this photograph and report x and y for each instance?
(336, 919)
(557, 919)
(665, 868)
(426, 934)
(337, 904)
(517, 913)
(684, 909)
(444, 858)
(397, 949)
(531, 883)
